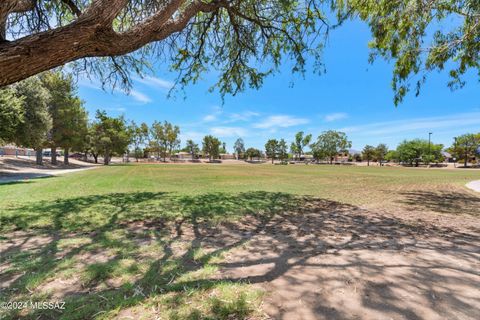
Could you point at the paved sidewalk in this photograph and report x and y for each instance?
(474, 185)
(8, 177)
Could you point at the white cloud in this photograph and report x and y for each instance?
(140, 97)
(117, 109)
(214, 115)
(135, 94)
(89, 84)
(416, 124)
(209, 118)
(335, 116)
(280, 121)
(226, 132)
(242, 116)
(192, 135)
(156, 82)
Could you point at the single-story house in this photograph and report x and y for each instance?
(227, 156)
(448, 157)
(13, 150)
(182, 155)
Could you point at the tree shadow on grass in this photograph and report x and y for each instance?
(450, 202)
(171, 250)
(8, 178)
(118, 225)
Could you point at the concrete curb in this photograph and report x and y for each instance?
(474, 185)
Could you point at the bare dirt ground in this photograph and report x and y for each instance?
(347, 263)
(326, 260)
(24, 168)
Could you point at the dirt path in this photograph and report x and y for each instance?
(14, 169)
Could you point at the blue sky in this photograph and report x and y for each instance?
(353, 96)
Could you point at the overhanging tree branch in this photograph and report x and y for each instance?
(73, 7)
(12, 6)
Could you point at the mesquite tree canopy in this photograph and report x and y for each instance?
(243, 41)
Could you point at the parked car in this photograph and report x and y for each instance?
(49, 154)
(76, 155)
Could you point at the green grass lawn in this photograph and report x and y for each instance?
(115, 232)
(354, 185)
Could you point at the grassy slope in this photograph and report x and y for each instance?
(88, 213)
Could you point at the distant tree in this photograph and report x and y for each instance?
(223, 148)
(192, 148)
(318, 153)
(165, 138)
(69, 118)
(330, 143)
(380, 152)
(417, 150)
(158, 141)
(74, 128)
(211, 146)
(147, 151)
(466, 146)
(357, 157)
(173, 138)
(271, 149)
(368, 153)
(239, 147)
(392, 155)
(112, 136)
(293, 150)
(253, 153)
(282, 150)
(33, 133)
(92, 141)
(139, 137)
(300, 143)
(11, 114)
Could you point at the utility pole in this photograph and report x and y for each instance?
(429, 153)
(455, 153)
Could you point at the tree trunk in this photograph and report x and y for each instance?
(39, 156)
(272, 160)
(54, 156)
(368, 162)
(106, 158)
(95, 157)
(65, 157)
(466, 160)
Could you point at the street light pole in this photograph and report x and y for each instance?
(429, 153)
(455, 153)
